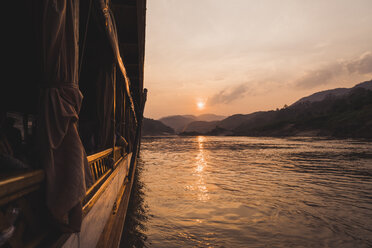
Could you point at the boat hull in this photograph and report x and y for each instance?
(104, 206)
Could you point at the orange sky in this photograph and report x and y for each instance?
(241, 56)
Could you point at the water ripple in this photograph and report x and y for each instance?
(257, 192)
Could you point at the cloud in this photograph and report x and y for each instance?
(229, 95)
(322, 76)
(326, 75)
(362, 65)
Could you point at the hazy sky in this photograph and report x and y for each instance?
(241, 56)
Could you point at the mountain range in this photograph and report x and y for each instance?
(180, 122)
(341, 112)
(152, 127)
(319, 96)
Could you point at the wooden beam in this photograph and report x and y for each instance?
(99, 155)
(111, 235)
(20, 184)
(90, 203)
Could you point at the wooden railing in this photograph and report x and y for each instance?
(100, 163)
(118, 153)
(18, 185)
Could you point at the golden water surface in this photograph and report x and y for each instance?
(256, 192)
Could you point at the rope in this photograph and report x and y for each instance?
(85, 39)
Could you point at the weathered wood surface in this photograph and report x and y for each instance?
(15, 185)
(99, 155)
(112, 232)
(19, 184)
(101, 187)
(98, 209)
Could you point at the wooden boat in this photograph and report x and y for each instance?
(51, 193)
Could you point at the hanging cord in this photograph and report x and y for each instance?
(84, 39)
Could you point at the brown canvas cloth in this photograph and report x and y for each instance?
(105, 102)
(105, 16)
(63, 154)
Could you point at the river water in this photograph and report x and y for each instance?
(253, 192)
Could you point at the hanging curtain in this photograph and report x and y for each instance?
(105, 15)
(105, 103)
(64, 158)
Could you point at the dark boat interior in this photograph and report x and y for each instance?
(110, 78)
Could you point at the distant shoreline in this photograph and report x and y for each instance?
(260, 136)
(337, 113)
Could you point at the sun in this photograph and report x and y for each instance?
(200, 105)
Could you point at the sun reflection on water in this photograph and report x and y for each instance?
(201, 164)
(233, 191)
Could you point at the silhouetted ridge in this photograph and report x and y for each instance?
(180, 122)
(348, 115)
(152, 127)
(341, 112)
(319, 96)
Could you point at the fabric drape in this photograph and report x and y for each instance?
(64, 158)
(105, 104)
(107, 18)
